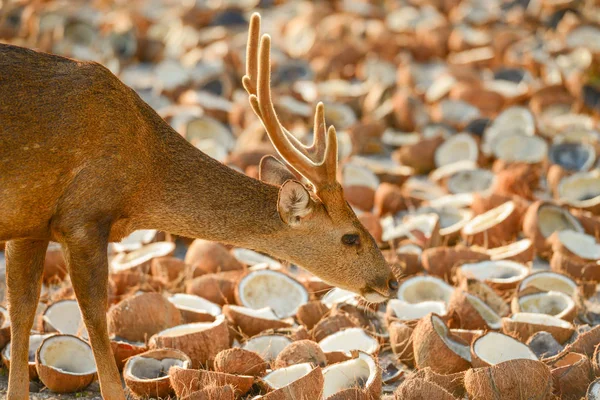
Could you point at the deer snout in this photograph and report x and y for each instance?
(381, 289)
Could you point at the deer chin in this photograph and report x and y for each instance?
(373, 297)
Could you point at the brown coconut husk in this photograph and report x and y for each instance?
(361, 197)
(226, 392)
(483, 203)
(421, 389)
(465, 313)
(502, 232)
(442, 261)
(218, 288)
(524, 330)
(211, 257)
(332, 324)
(510, 380)
(310, 386)
(238, 361)
(572, 375)
(388, 200)
(521, 251)
(596, 360)
(139, 317)
(420, 156)
(168, 268)
(529, 291)
(124, 281)
(431, 351)
(301, 351)
(311, 313)
(249, 325)
(487, 295)
(401, 342)
(55, 266)
(589, 221)
(452, 383)
(468, 335)
(520, 179)
(123, 350)
(585, 344)
(575, 267)
(187, 381)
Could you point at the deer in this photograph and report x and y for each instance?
(85, 162)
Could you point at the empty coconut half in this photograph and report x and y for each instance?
(267, 347)
(296, 381)
(500, 275)
(523, 325)
(195, 308)
(424, 288)
(349, 339)
(493, 348)
(34, 342)
(458, 147)
(549, 281)
(361, 373)
(253, 321)
(140, 258)
(493, 228)
(63, 316)
(581, 190)
(553, 303)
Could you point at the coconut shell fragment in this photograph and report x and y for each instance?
(302, 351)
(187, 381)
(238, 361)
(572, 375)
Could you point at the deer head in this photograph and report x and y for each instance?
(340, 250)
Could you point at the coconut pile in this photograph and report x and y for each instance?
(468, 144)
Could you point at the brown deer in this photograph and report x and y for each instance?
(84, 161)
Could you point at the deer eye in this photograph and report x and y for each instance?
(351, 239)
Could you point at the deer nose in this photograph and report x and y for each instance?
(393, 284)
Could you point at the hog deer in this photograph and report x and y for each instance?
(84, 161)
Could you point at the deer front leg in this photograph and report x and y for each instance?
(24, 266)
(87, 262)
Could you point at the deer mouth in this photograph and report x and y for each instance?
(373, 296)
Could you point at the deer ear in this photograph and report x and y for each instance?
(294, 202)
(273, 171)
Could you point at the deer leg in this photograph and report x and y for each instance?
(24, 267)
(87, 262)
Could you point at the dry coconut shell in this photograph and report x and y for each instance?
(307, 386)
(187, 381)
(168, 268)
(523, 325)
(238, 361)
(201, 341)
(441, 261)
(453, 383)
(301, 351)
(494, 348)
(146, 374)
(585, 344)
(123, 349)
(55, 266)
(139, 317)
(510, 380)
(211, 257)
(357, 378)
(575, 267)
(401, 342)
(226, 392)
(332, 324)
(420, 156)
(434, 346)
(311, 313)
(472, 312)
(493, 228)
(519, 179)
(389, 200)
(421, 389)
(218, 288)
(572, 374)
(552, 303)
(252, 322)
(521, 251)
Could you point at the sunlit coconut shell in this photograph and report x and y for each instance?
(452, 383)
(65, 363)
(572, 374)
(418, 388)
(211, 257)
(542, 219)
(582, 270)
(519, 178)
(589, 221)
(251, 321)
(458, 147)
(389, 199)
(226, 392)
(407, 312)
(549, 281)
(34, 342)
(424, 288)
(581, 190)
(511, 380)
(267, 346)
(521, 251)
(217, 288)
(139, 317)
(467, 334)
(420, 156)
(552, 303)
(434, 346)
(572, 156)
(55, 267)
(169, 269)
(358, 375)
(585, 343)
(493, 228)
(186, 381)
(359, 185)
(372, 225)
(500, 275)
(442, 261)
(575, 244)
(513, 120)
(311, 313)
(301, 351)
(238, 361)
(408, 257)
(135, 240)
(195, 308)
(472, 312)
(63, 316)
(265, 288)
(300, 381)
(123, 349)
(494, 348)
(146, 374)
(423, 229)
(401, 341)
(201, 341)
(486, 294)
(339, 346)
(523, 325)
(139, 259)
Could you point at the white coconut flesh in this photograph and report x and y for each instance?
(552, 303)
(581, 244)
(337, 295)
(593, 392)
(64, 316)
(494, 348)
(250, 257)
(448, 170)
(123, 261)
(273, 289)
(458, 201)
(340, 115)
(458, 147)
(519, 148)
(284, 376)
(550, 281)
(581, 189)
(34, 343)
(586, 36)
(442, 330)
(190, 302)
(489, 219)
(267, 346)
(262, 313)
(409, 248)
(470, 181)
(500, 271)
(424, 223)
(513, 120)
(509, 250)
(67, 354)
(424, 288)
(206, 128)
(357, 175)
(491, 318)
(358, 372)
(186, 329)
(148, 368)
(552, 218)
(540, 319)
(135, 240)
(349, 339)
(407, 311)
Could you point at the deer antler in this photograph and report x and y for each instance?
(318, 162)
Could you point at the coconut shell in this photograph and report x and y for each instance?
(575, 267)
(585, 344)
(420, 156)
(524, 255)
(518, 179)
(452, 383)
(310, 386)
(593, 392)
(483, 203)
(168, 268)
(589, 221)
(126, 281)
(596, 360)
(572, 375)
(302, 351)
(401, 342)
(532, 231)
(372, 224)
(468, 316)
(123, 350)
(361, 197)
(156, 388)
(55, 266)
(431, 351)
(388, 200)
(510, 380)
(211, 257)
(217, 288)
(371, 392)
(486, 294)
(421, 389)
(249, 325)
(515, 307)
(139, 317)
(330, 325)
(202, 346)
(238, 361)
(187, 381)
(309, 314)
(503, 232)
(226, 392)
(442, 261)
(524, 330)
